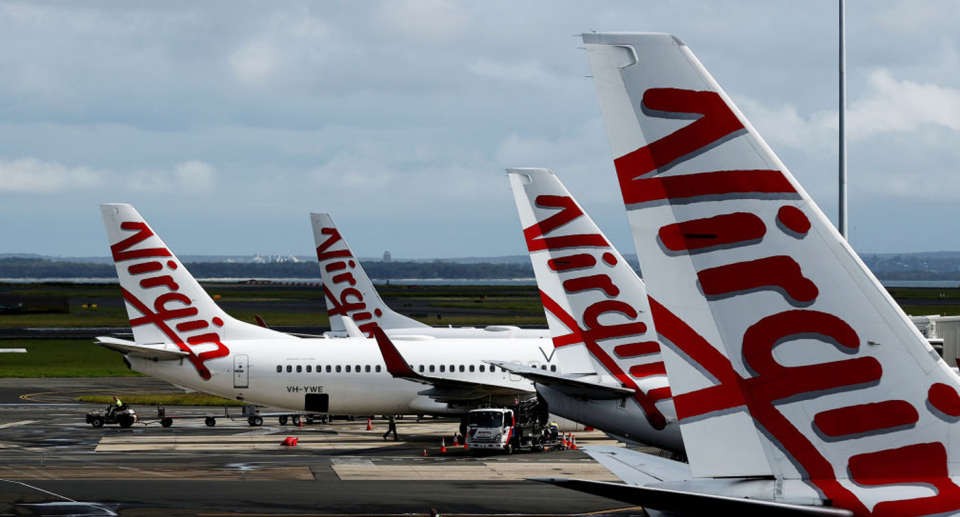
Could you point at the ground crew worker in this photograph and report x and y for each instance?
(392, 422)
(117, 404)
(554, 430)
(434, 513)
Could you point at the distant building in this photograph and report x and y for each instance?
(386, 256)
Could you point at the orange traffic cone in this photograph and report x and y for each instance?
(369, 426)
(300, 422)
(424, 451)
(573, 442)
(456, 441)
(443, 446)
(566, 443)
(465, 446)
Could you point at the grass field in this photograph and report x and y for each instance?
(475, 306)
(61, 358)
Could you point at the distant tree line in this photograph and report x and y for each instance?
(44, 268)
(899, 268)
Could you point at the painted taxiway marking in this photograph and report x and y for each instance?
(127, 443)
(492, 471)
(186, 473)
(245, 514)
(15, 424)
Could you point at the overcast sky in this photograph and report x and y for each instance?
(226, 123)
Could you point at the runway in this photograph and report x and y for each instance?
(55, 464)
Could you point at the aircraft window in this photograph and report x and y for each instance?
(299, 368)
(348, 368)
(279, 368)
(338, 368)
(358, 369)
(443, 368)
(482, 368)
(328, 368)
(366, 368)
(319, 368)
(421, 368)
(431, 368)
(493, 369)
(309, 368)
(378, 368)
(452, 368)
(553, 367)
(461, 368)
(289, 368)
(471, 368)
(543, 367)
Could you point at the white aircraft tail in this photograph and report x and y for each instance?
(786, 356)
(164, 302)
(596, 304)
(349, 292)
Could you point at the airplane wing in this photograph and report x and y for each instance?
(694, 503)
(566, 384)
(442, 388)
(162, 352)
(637, 468)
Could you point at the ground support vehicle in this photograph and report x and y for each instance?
(250, 412)
(125, 416)
(524, 426)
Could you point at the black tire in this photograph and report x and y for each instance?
(282, 420)
(210, 421)
(255, 421)
(296, 420)
(96, 422)
(166, 422)
(125, 421)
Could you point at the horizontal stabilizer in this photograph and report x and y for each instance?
(637, 468)
(442, 388)
(693, 503)
(162, 352)
(566, 384)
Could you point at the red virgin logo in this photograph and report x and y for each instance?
(770, 383)
(586, 271)
(163, 303)
(342, 297)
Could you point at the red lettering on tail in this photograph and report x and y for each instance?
(534, 235)
(716, 122)
(121, 251)
(700, 234)
(781, 273)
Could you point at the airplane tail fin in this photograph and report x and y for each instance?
(349, 292)
(786, 356)
(164, 302)
(596, 304)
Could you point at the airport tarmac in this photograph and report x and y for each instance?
(53, 463)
